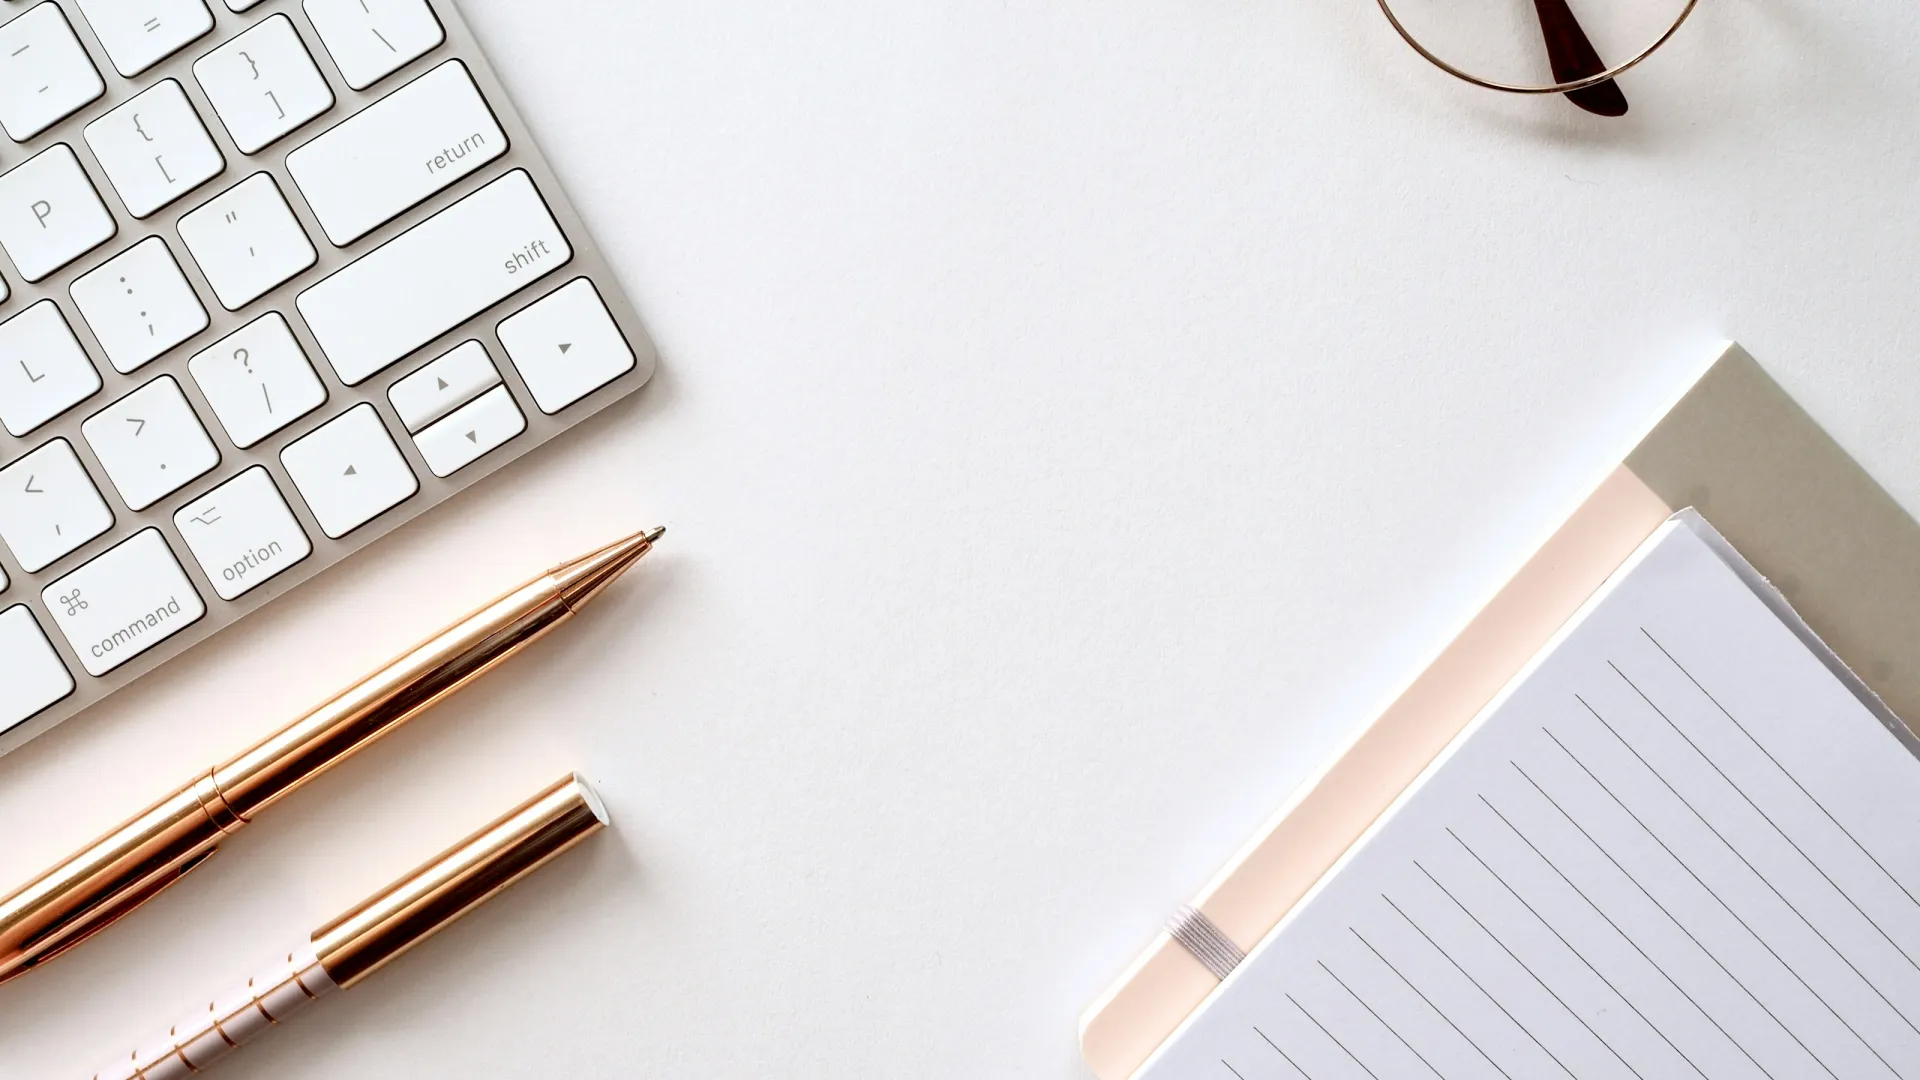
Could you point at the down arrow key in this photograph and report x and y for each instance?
(486, 423)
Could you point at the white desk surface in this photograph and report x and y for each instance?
(1073, 420)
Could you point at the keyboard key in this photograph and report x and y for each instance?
(444, 385)
(49, 506)
(138, 304)
(242, 533)
(396, 152)
(436, 275)
(43, 370)
(44, 72)
(371, 39)
(247, 241)
(258, 380)
(124, 602)
(349, 471)
(35, 675)
(472, 430)
(263, 84)
(138, 34)
(154, 149)
(50, 214)
(566, 345)
(150, 443)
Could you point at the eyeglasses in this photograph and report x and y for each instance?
(1494, 44)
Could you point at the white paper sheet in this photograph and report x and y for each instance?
(1679, 845)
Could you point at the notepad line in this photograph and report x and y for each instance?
(1331, 1035)
(1716, 896)
(1795, 781)
(1660, 907)
(1624, 936)
(1797, 850)
(1383, 1021)
(1524, 967)
(1437, 1011)
(1282, 1053)
(1524, 1029)
(1577, 954)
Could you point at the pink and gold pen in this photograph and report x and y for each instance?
(360, 942)
(130, 865)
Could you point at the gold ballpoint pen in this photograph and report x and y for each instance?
(135, 862)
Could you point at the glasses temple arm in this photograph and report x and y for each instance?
(1573, 57)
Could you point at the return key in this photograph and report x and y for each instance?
(397, 152)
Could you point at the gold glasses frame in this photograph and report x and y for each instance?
(1528, 88)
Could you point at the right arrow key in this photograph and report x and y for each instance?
(566, 345)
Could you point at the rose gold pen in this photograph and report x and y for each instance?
(133, 863)
(380, 928)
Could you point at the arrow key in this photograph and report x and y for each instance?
(471, 432)
(349, 471)
(566, 345)
(452, 380)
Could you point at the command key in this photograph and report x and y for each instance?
(124, 602)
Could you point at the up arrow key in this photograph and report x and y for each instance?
(351, 471)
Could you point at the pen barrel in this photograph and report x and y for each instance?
(228, 1022)
(439, 666)
(459, 879)
(115, 874)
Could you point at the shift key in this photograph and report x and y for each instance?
(396, 152)
(434, 276)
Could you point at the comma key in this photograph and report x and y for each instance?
(124, 602)
(242, 533)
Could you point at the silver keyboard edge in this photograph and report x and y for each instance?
(523, 153)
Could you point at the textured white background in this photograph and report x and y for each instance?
(1075, 418)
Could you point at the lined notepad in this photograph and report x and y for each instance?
(1683, 843)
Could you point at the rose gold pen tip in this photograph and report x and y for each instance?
(583, 579)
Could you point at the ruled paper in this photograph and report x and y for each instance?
(1678, 846)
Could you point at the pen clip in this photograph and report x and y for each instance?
(101, 918)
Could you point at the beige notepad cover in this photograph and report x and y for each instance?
(1736, 448)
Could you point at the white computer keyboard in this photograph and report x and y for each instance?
(277, 277)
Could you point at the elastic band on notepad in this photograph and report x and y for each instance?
(1208, 944)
